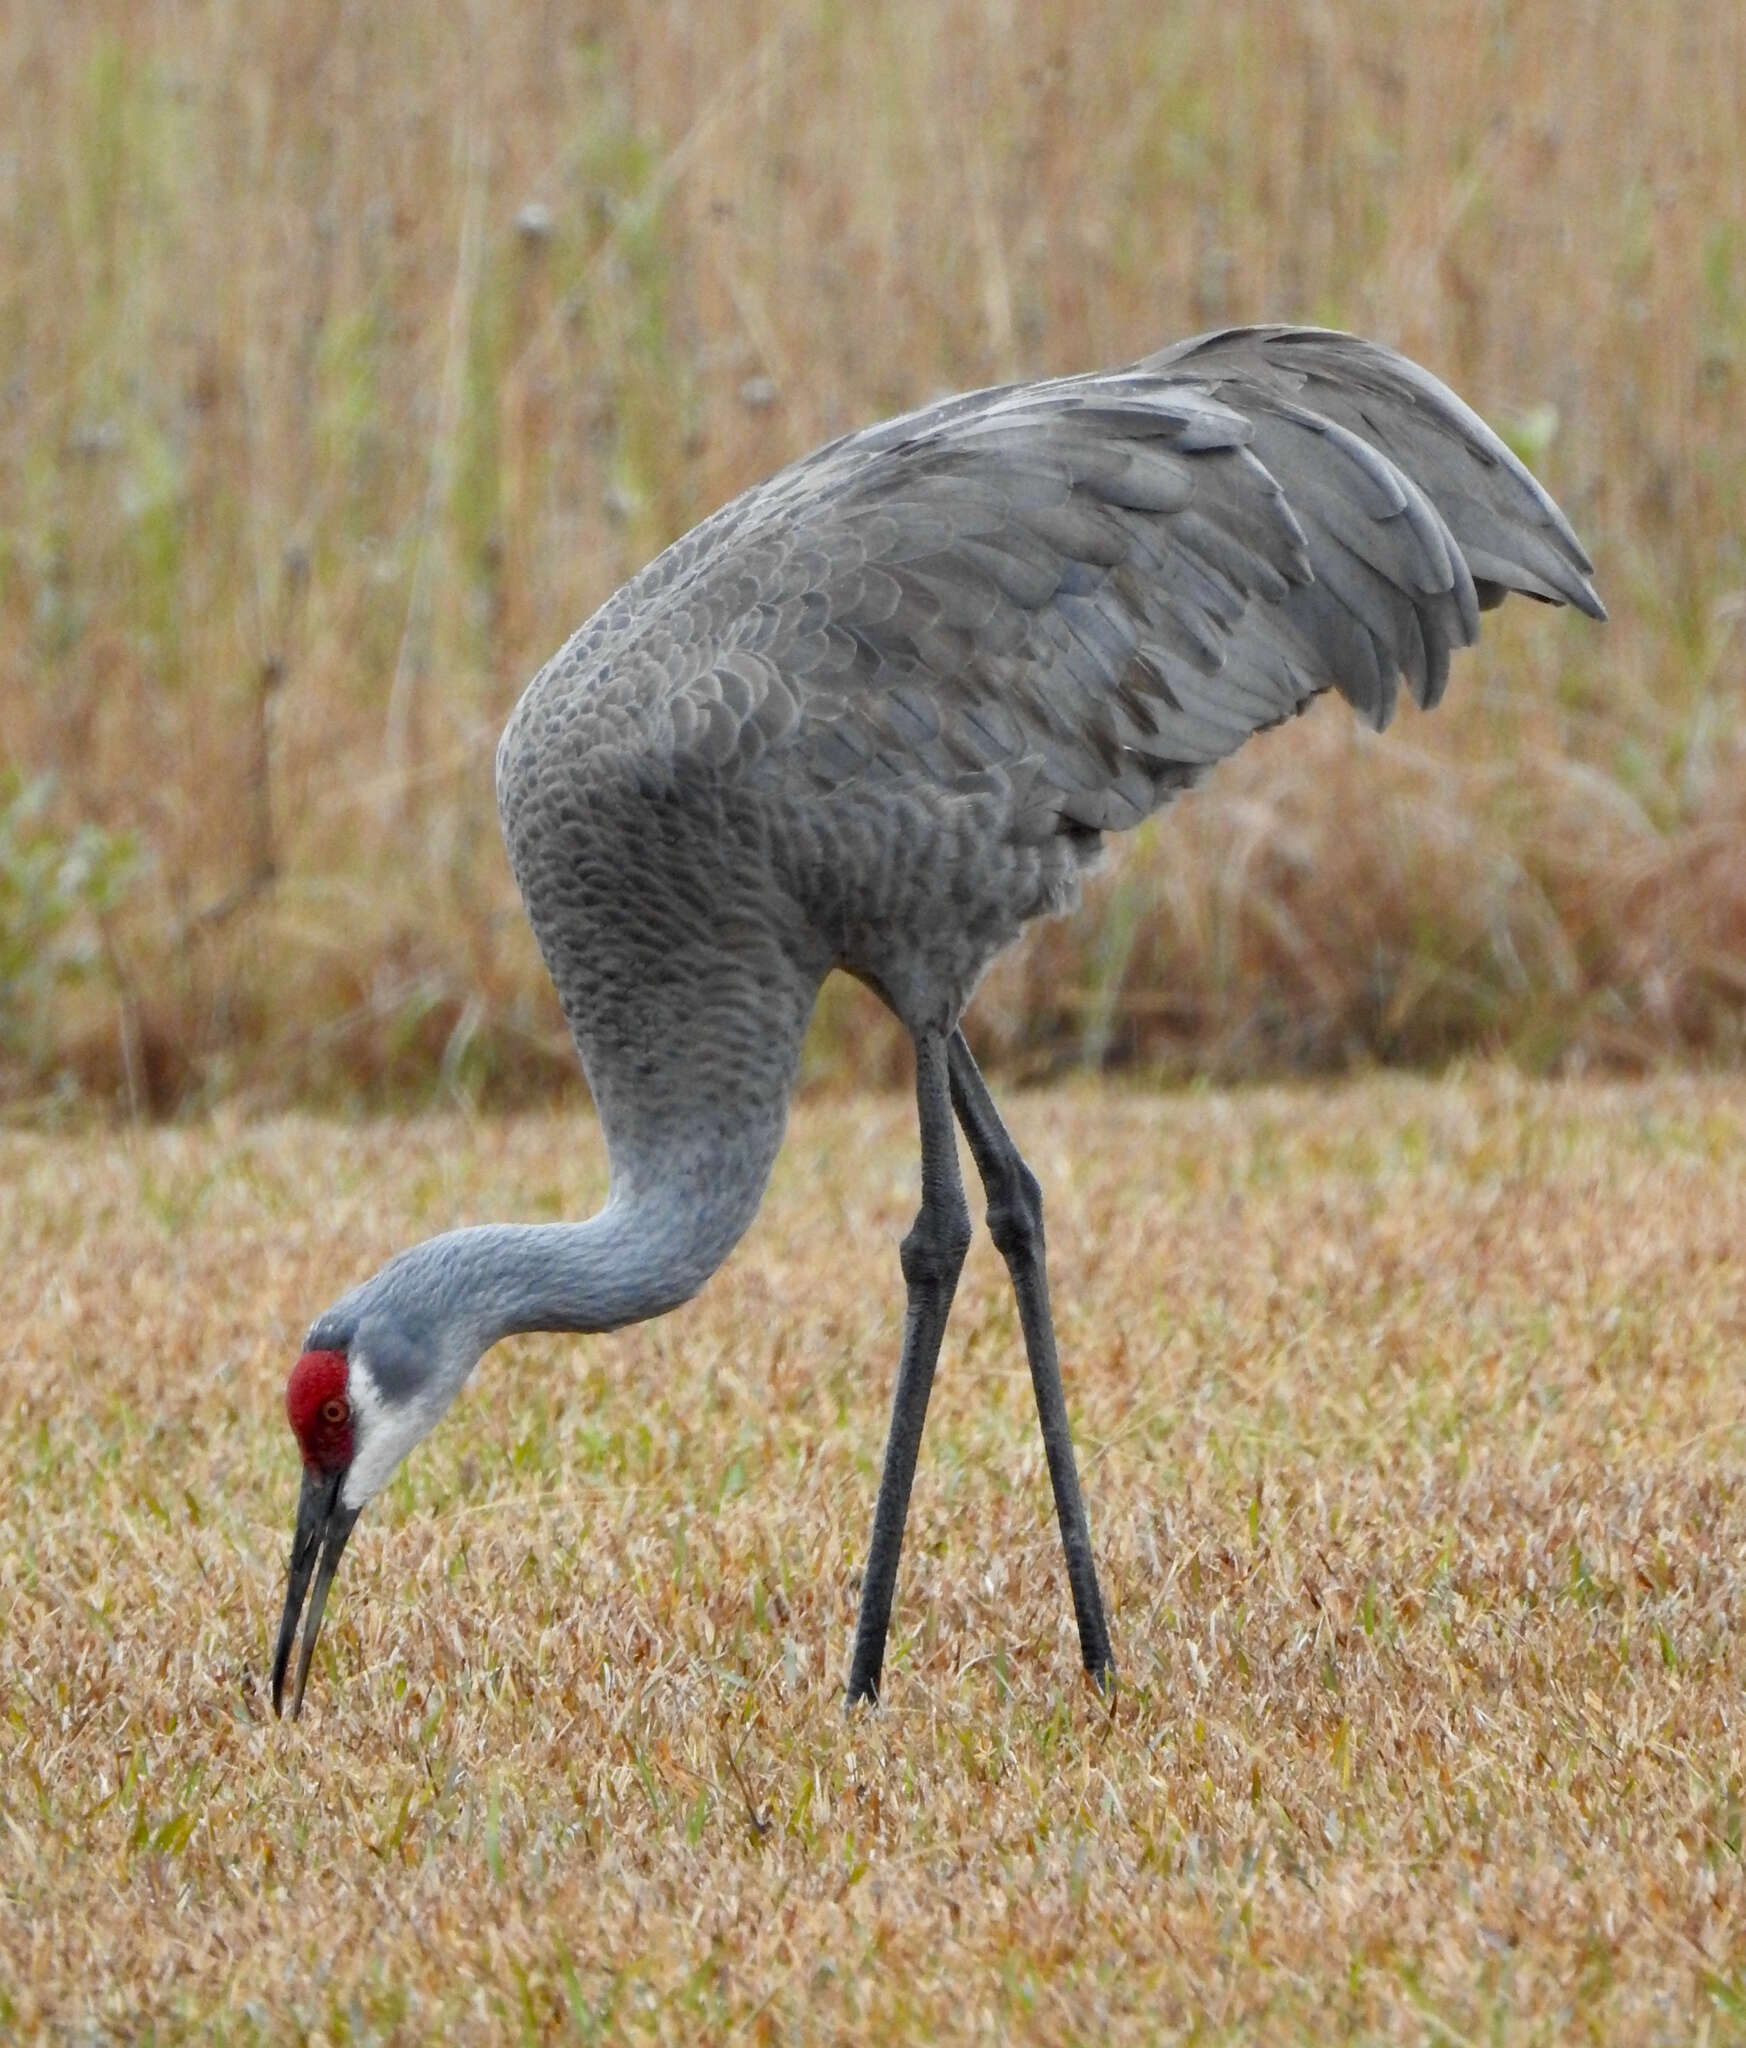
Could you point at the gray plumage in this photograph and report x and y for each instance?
(876, 714)
(887, 700)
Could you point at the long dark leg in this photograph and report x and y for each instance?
(1015, 1222)
(933, 1254)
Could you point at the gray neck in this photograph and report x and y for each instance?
(423, 1322)
(690, 1046)
(635, 1259)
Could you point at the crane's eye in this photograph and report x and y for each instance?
(334, 1411)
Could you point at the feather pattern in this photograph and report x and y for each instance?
(994, 629)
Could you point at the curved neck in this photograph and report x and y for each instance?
(637, 1258)
(692, 1089)
(416, 1330)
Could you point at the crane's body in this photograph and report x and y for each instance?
(877, 714)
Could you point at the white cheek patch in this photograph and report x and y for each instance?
(383, 1431)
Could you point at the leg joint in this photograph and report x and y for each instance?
(1015, 1211)
(933, 1252)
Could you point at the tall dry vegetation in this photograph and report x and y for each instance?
(351, 358)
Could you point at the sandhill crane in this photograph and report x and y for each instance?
(876, 714)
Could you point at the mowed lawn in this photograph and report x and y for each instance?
(1412, 1417)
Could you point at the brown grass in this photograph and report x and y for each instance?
(314, 441)
(1411, 1420)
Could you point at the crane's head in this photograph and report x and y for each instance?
(324, 1415)
(377, 1372)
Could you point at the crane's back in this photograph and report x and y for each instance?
(878, 711)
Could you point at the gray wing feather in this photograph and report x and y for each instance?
(1091, 588)
(1492, 505)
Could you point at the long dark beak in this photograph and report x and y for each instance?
(322, 1527)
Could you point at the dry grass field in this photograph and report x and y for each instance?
(1411, 1413)
(343, 371)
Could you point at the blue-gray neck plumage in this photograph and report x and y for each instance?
(414, 1331)
(690, 1030)
(633, 1260)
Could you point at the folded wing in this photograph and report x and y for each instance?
(1088, 591)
